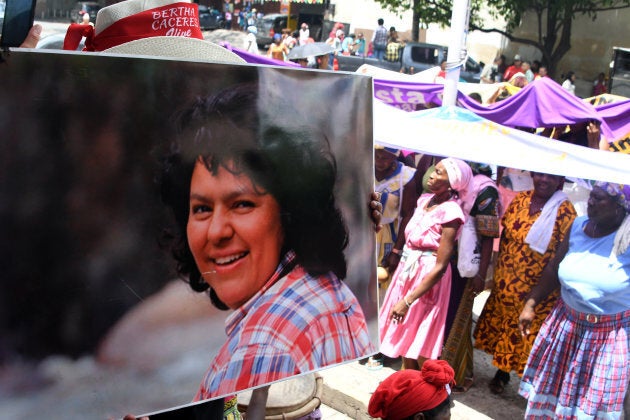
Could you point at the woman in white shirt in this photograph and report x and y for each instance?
(569, 82)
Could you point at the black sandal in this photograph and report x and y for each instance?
(498, 383)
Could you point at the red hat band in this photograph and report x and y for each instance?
(176, 19)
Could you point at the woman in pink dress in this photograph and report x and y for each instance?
(411, 321)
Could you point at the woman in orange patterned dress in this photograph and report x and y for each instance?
(533, 226)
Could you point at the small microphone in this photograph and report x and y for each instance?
(209, 272)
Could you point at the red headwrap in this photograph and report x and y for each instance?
(408, 391)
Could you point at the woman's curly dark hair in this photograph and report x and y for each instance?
(299, 171)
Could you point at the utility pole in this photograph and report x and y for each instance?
(455, 59)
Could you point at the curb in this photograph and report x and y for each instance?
(348, 388)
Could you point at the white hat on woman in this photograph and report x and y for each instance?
(164, 28)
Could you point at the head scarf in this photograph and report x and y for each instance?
(621, 194)
(391, 150)
(459, 177)
(618, 192)
(407, 392)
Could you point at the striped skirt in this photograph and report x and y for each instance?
(579, 366)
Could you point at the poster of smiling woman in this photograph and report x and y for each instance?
(178, 231)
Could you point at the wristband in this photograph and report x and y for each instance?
(396, 251)
(407, 303)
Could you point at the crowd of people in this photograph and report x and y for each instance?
(384, 44)
(240, 18)
(557, 314)
(522, 72)
(519, 73)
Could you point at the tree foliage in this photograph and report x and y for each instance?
(553, 19)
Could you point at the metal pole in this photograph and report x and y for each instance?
(459, 30)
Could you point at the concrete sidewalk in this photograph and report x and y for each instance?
(348, 388)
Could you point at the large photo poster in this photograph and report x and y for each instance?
(176, 231)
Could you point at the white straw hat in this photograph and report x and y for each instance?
(164, 28)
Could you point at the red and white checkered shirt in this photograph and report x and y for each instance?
(295, 324)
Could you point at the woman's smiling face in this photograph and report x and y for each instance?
(234, 233)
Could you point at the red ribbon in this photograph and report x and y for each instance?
(74, 34)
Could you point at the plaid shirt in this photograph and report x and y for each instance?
(295, 324)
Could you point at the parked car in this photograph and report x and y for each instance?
(55, 42)
(420, 56)
(210, 18)
(272, 24)
(619, 82)
(83, 7)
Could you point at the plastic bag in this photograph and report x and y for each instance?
(468, 250)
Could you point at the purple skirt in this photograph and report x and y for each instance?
(579, 366)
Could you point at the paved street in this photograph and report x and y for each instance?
(347, 389)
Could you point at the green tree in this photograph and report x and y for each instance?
(553, 19)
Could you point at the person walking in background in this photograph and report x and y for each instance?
(542, 72)
(569, 82)
(393, 34)
(599, 85)
(483, 218)
(490, 72)
(359, 45)
(289, 39)
(278, 49)
(513, 69)
(304, 34)
(379, 40)
(579, 366)
(335, 28)
(526, 69)
(534, 224)
(335, 42)
(347, 45)
(228, 20)
(250, 40)
(412, 318)
(440, 77)
(392, 51)
(395, 182)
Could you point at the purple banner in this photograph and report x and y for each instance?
(617, 116)
(543, 103)
(408, 96)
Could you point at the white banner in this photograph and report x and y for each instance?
(457, 132)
